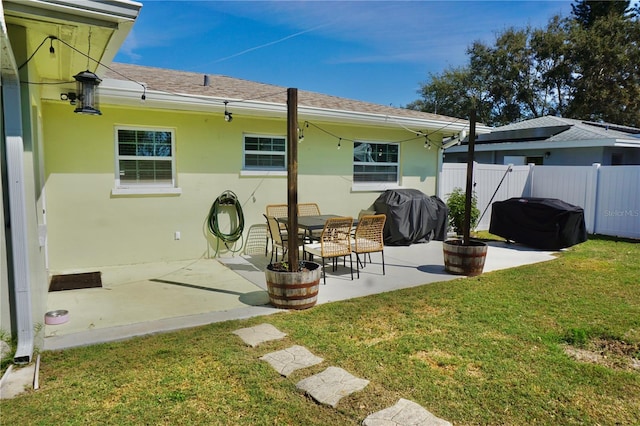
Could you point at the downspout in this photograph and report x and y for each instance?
(12, 117)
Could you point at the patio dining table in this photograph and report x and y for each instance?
(313, 223)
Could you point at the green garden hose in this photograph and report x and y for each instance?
(226, 199)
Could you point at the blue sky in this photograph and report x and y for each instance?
(375, 51)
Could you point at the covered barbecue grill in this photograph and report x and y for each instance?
(544, 223)
(412, 217)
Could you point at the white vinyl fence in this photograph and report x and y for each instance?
(609, 195)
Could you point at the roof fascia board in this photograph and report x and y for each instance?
(516, 146)
(120, 92)
(8, 66)
(627, 144)
(90, 12)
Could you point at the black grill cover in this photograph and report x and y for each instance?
(412, 217)
(544, 223)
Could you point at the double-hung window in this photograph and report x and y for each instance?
(264, 153)
(375, 164)
(145, 159)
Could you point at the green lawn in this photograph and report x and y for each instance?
(484, 350)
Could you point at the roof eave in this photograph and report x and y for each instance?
(94, 12)
(515, 146)
(118, 92)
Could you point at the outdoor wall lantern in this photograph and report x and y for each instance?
(87, 98)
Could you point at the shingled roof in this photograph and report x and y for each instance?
(578, 130)
(235, 89)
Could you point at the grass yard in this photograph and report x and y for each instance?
(551, 343)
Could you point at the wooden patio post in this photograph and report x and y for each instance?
(292, 178)
(466, 229)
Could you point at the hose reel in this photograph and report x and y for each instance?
(226, 200)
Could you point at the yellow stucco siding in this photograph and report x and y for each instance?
(89, 227)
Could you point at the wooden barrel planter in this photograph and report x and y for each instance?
(294, 290)
(464, 259)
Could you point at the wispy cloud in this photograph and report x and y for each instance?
(261, 46)
(386, 31)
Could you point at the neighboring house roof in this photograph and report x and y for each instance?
(168, 85)
(554, 132)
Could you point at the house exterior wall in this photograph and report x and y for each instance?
(625, 156)
(90, 227)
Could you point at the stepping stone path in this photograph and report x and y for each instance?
(289, 360)
(334, 383)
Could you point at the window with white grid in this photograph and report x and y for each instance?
(376, 163)
(264, 153)
(145, 157)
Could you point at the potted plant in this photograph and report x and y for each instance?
(465, 256)
(456, 205)
(293, 284)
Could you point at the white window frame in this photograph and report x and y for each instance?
(145, 188)
(252, 170)
(380, 185)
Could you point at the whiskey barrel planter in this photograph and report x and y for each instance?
(462, 259)
(294, 290)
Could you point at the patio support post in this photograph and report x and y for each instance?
(466, 234)
(292, 178)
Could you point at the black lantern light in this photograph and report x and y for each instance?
(86, 83)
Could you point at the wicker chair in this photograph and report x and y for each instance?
(278, 238)
(369, 238)
(308, 209)
(335, 242)
(276, 210)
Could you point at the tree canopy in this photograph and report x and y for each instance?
(586, 66)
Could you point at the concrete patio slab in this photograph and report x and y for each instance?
(291, 359)
(404, 413)
(261, 333)
(151, 298)
(331, 385)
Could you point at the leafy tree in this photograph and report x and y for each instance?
(523, 75)
(587, 12)
(552, 52)
(453, 93)
(605, 60)
(583, 67)
(512, 74)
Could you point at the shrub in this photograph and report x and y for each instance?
(456, 205)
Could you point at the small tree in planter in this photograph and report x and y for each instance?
(456, 205)
(465, 256)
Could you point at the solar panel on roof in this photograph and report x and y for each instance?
(530, 134)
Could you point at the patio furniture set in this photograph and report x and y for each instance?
(327, 236)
